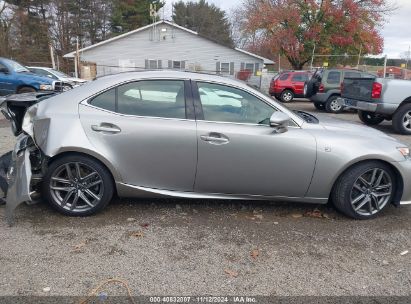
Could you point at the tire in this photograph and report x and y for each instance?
(287, 96)
(331, 105)
(5, 161)
(370, 119)
(26, 90)
(95, 185)
(345, 193)
(319, 106)
(401, 120)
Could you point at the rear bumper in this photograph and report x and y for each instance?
(374, 107)
(319, 97)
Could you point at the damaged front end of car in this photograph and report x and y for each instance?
(27, 164)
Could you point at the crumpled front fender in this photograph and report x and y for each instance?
(18, 177)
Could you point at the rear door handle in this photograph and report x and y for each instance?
(106, 128)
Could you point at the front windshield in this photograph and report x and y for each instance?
(16, 67)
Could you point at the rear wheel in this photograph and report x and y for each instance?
(401, 121)
(26, 90)
(319, 106)
(332, 105)
(364, 190)
(287, 96)
(77, 185)
(370, 119)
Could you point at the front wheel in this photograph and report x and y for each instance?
(370, 119)
(333, 106)
(364, 190)
(77, 185)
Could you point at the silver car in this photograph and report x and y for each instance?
(189, 135)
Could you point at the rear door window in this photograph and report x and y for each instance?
(284, 76)
(334, 77)
(155, 98)
(299, 77)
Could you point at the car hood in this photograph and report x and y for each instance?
(73, 79)
(34, 77)
(336, 125)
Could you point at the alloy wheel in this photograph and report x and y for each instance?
(371, 192)
(287, 96)
(76, 187)
(407, 120)
(335, 106)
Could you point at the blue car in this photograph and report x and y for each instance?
(15, 78)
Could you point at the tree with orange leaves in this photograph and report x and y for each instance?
(295, 27)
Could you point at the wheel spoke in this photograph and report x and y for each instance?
(66, 198)
(94, 184)
(382, 187)
(85, 199)
(60, 180)
(370, 205)
(374, 174)
(69, 173)
(75, 200)
(359, 188)
(363, 181)
(381, 194)
(89, 176)
(61, 188)
(356, 200)
(78, 174)
(362, 204)
(378, 182)
(89, 192)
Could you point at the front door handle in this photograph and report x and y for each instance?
(216, 139)
(106, 128)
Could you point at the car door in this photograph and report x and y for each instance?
(141, 127)
(297, 82)
(6, 80)
(239, 153)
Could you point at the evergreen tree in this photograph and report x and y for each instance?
(204, 18)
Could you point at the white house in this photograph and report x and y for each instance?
(166, 45)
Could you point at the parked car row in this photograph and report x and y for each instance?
(16, 79)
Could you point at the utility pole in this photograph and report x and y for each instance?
(385, 66)
(359, 58)
(312, 58)
(76, 60)
(53, 63)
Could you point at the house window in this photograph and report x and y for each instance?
(152, 64)
(225, 68)
(249, 67)
(177, 64)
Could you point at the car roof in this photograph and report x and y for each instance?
(140, 75)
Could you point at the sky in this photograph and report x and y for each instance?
(396, 33)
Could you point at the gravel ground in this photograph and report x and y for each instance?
(183, 247)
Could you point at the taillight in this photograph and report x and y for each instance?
(376, 90)
(342, 86)
(321, 88)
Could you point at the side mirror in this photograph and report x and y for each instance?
(279, 121)
(4, 70)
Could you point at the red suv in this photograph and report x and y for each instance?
(287, 85)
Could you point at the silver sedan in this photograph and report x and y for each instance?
(189, 135)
